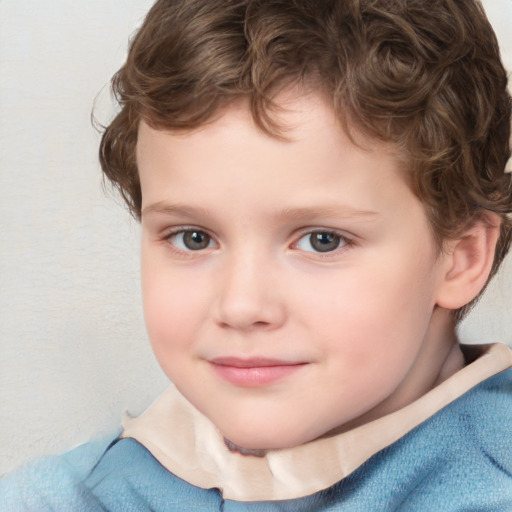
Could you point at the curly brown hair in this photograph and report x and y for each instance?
(424, 76)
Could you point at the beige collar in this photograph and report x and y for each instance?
(187, 444)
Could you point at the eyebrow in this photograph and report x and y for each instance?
(176, 209)
(341, 211)
(300, 213)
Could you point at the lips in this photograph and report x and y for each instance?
(253, 372)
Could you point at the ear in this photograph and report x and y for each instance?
(468, 263)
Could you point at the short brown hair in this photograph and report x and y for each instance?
(424, 76)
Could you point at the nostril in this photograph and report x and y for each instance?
(246, 326)
(261, 323)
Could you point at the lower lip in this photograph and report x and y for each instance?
(256, 376)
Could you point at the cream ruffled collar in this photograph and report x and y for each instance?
(187, 444)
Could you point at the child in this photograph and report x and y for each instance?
(322, 192)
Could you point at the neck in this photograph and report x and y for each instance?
(453, 359)
(234, 448)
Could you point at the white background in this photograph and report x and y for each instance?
(73, 351)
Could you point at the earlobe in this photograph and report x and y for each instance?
(468, 263)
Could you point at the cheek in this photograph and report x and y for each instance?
(373, 312)
(172, 308)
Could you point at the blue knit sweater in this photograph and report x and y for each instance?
(458, 460)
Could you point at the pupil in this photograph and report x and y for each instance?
(324, 242)
(196, 240)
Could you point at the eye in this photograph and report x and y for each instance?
(321, 241)
(190, 240)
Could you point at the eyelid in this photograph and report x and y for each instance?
(170, 231)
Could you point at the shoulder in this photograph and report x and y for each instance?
(482, 420)
(481, 423)
(114, 474)
(461, 458)
(129, 476)
(48, 483)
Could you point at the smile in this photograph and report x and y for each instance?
(253, 373)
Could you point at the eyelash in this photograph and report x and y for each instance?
(344, 241)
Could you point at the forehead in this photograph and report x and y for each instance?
(316, 161)
(300, 116)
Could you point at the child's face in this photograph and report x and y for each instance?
(288, 286)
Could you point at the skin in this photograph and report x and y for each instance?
(360, 321)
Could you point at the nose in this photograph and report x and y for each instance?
(249, 295)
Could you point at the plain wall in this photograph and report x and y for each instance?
(73, 350)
